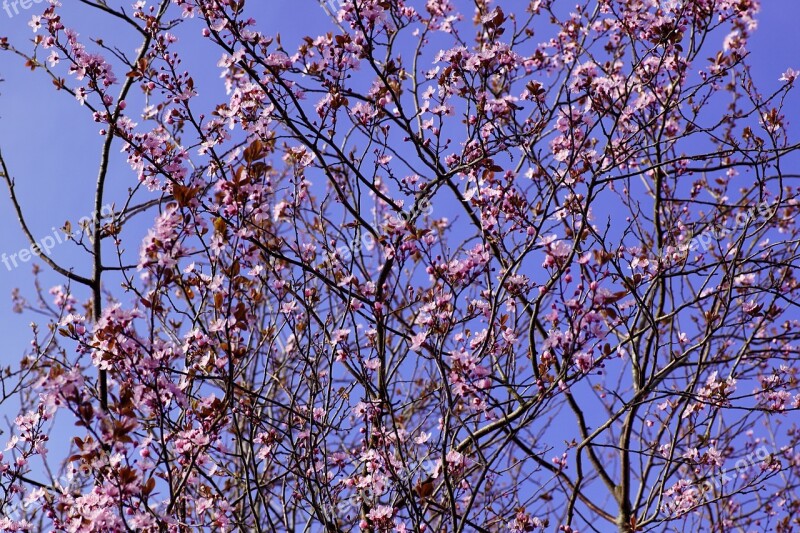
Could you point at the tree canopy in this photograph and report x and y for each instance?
(451, 266)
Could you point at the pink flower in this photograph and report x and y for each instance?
(35, 23)
(381, 513)
(339, 335)
(417, 341)
(789, 76)
(681, 498)
(583, 361)
(422, 438)
(80, 95)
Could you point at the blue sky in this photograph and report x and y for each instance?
(52, 145)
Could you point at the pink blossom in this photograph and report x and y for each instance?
(789, 76)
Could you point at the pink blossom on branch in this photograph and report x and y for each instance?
(425, 272)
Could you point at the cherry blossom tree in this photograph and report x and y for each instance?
(452, 266)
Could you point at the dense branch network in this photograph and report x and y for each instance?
(443, 268)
